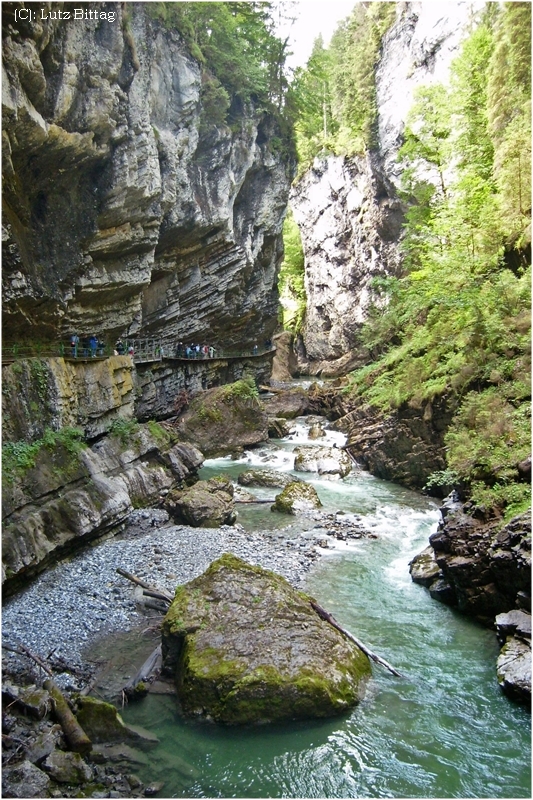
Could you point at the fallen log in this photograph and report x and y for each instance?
(332, 621)
(160, 592)
(76, 737)
(152, 663)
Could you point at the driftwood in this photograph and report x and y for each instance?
(76, 737)
(144, 674)
(332, 621)
(152, 591)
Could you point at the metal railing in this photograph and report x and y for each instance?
(141, 350)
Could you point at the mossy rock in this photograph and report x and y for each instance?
(296, 497)
(245, 647)
(207, 504)
(102, 723)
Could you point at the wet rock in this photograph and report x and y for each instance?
(316, 431)
(513, 623)
(241, 495)
(297, 497)
(326, 461)
(24, 780)
(206, 504)
(67, 767)
(44, 744)
(289, 404)
(154, 788)
(265, 477)
(443, 591)
(102, 723)
(514, 669)
(423, 568)
(278, 428)
(34, 702)
(244, 646)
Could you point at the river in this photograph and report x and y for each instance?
(445, 730)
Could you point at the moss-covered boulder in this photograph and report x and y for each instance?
(265, 477)
(296, 497)
(244, 647)
(225, 419)
(206, 504)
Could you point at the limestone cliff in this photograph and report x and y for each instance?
(125, 210)
(348, 209)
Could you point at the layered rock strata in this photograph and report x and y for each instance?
(67, 497)
(126, 211)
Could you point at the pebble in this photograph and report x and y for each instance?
(82, 599)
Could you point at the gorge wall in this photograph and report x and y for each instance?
(348, 209)
(126, 212)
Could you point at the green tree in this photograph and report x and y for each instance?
(291, 281)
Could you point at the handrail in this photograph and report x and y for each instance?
(144, 350)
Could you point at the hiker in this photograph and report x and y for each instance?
(74, 342)
(120, 347)
(93, 344)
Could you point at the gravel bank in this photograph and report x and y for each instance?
(82, 599)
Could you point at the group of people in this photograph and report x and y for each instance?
(121, 349)
(194, 351)
(86, 346)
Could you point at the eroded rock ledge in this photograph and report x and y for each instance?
(126, 211)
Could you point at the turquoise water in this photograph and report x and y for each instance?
(445, 730)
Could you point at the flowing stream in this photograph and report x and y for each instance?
(446, 730)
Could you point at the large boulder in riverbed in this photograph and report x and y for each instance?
(244, 646)
(265, 477)
(296, 497)
(225, 419)
(206, 504)
(289, 404)
(329, 462)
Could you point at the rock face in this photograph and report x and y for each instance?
(514, 662)
(70, 496)
(53, 393)
(328, 462)
(245, 647)
(126, 212)
(486, 566)
(405, 446)
(348, 209)
(350, 224)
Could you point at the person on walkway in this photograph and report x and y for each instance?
(120, 347)
(93, 345)
(74, 342)
(255, 350)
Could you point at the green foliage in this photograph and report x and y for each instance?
(335, 95)
(124, 429)
(458, 322)
(19, 457)
(160, 434)
(245, 389)
(235, 43)
(509, 115)
(291, 280)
